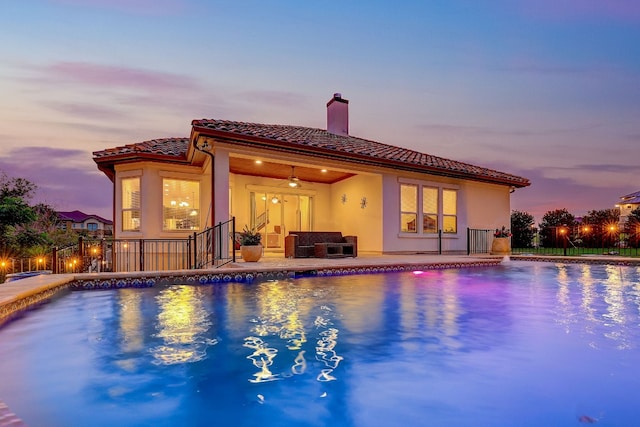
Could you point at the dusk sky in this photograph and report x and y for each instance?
(545, 89)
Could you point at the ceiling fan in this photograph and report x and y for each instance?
(294, 181)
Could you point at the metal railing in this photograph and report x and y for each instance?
(210, 248)
(479, 241)
(565, 244)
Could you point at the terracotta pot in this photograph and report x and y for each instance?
(501, 246)
(251, 253)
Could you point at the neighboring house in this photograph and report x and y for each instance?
(280, 178)
(94, 225)
(627, 204)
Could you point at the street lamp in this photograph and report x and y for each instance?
(563, 232)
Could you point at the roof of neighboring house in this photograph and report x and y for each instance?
(304, 140)
(78, 216)
(631, 198)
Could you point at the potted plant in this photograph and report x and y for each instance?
(250, 244)
(501, 244)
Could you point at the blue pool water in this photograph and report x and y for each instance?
(522, 344)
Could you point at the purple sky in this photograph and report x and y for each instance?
(543, 89)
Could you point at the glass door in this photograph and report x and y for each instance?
(275, 214)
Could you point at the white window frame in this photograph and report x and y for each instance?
(441, 187)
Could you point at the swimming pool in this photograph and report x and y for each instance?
(525, 344)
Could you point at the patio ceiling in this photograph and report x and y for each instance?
(244, 166)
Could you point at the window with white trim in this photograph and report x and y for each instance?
(180, 204)
(435, 208)
(449, 211)
(429, 210)
(408, 208)
(131, 204)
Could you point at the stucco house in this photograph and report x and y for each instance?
(281, 178)
(78, 221)
(626, 205)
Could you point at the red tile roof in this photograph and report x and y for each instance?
(316, 142)
(170, 147)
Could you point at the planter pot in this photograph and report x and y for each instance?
(501, 246)
(251, 253)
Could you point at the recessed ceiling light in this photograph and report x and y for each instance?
(258, 162)
(323, 170)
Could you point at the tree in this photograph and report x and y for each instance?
(522, 229)
(551, 224)
(632, 228)
(13, 212)
(16, 187)
(18, 219)
(598, 227)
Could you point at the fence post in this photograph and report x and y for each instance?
(468, 241)
(195, 250)
(141, 250)
(54, 260)
(217, 249)
(233, 238)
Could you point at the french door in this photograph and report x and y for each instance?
(275, 214)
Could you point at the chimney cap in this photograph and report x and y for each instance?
(337, 97)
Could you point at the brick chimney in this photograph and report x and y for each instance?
(338, 115)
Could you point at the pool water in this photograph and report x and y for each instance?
(521, 344)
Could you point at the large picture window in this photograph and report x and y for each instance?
(427, 209)
(180, 204)
(131, 204)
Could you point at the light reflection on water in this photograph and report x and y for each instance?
(182, 325)
(454, 347)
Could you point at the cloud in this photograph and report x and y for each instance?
(453, 129)
(87, 110)
(110, 77)
(546, 194)
(66, 179)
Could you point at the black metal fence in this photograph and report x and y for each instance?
(210, 248)
(574, 242)
(479, 241)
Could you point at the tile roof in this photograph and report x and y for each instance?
(314, 142)
(632, 198)
(312, 139)
(171, 147)
(78, 216)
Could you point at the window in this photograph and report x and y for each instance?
(435, 208)
(449, 211)
(131, 204)
(429, 210)
(180, 204)
(92, 226)
(408, 208)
